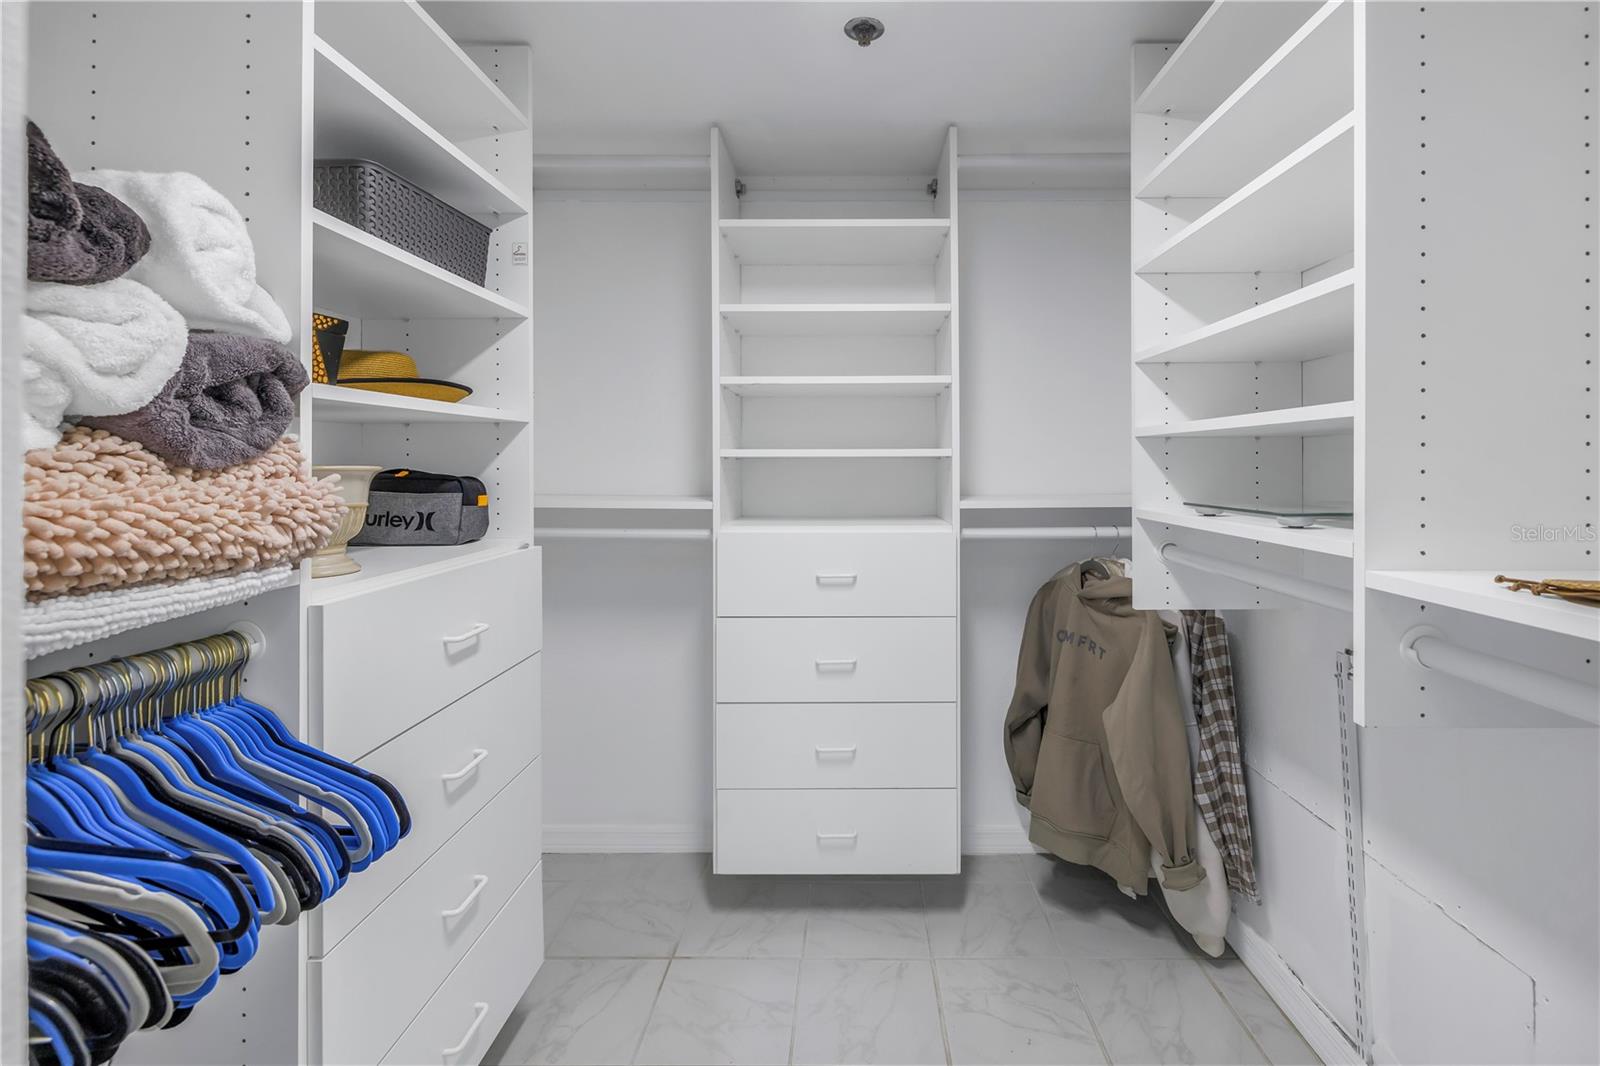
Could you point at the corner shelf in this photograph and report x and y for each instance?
(840, 385)
(1230, 40)
(835, 242)
(1316, 420)
(836, 453)
(1303, 87)
(620, 503)
(390, 42)
(1297, 215)
(357, 275)
(356, 118)
(382, 567)
(335, 403)
(1319, 540)
(1475, 592)
(1081, 502)
(1308, 323)
(836, 320)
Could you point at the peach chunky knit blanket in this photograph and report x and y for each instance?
(101, 512)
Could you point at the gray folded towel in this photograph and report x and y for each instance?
(230, 401)
(77, 234)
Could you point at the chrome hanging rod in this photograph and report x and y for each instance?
(1046, 533)
(1428, 648)
(618, 533)
(1297, 588)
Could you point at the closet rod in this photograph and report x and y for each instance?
(1298, 588)
(587, 533)
(1047, 533)
(1427, 647)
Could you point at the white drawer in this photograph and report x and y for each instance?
(476, 999)
(784, 574)
(836, 660)
(389, 658)
(838, 831)
(447, 767)
(838, 745)
(380, 976)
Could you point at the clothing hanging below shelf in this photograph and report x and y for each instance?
(169, 820)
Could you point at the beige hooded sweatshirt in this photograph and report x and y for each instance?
(1095, 736)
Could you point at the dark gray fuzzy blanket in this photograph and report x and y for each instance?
(77, 234)
(231, 399)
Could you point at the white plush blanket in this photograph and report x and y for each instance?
(102, 349)
(201, 258)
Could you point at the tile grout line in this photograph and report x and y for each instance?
(799, 971)
(655, 1002)
(933, 970)
(1072, 979)
(1235, 1012)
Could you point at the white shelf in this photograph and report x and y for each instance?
(835, 242)
(1308, 323)
(1081, 502)
(822, 320)
(385, 566)
(918, 524)
(1295, 216)
(836, 453)
(1302, 88)
(1475, 592)
(620, 503)
(335, 403)
(356, 275)
(392, 42)
(356, 118)
(843, 385)
(1320, 540)
(1231, 39)
(1316, 420)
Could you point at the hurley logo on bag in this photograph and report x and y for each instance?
(421, 521)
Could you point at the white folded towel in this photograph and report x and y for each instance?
(102, 349)
(201, 259)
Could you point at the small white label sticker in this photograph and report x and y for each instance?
(519, 254)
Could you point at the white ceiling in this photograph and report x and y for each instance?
(794, 96)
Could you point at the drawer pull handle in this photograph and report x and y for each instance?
(840, 665)
(480, 1011)
(478, 755)
(849, 752)
(478, 883)
(836, 579)
(477, 630)
(823, 838)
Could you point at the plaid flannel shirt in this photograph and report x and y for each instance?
(1219, 780)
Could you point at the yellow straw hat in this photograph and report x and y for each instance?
(394, 372)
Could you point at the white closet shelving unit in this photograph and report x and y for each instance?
(835, 372)
(427, 656)
(1364, 271)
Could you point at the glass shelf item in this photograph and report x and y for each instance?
(1293, 515)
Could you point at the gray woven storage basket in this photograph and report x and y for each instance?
(376, 200)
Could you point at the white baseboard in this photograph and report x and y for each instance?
(975, 839)
(613, 838)
(1011, 839)
(1292, 997)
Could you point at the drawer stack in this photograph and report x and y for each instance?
(433, 682)
(837, 731)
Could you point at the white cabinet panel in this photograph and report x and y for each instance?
(812, 660)
(393, 656)
(836, 573)
(838, 831)
(447, 767)
(838, 745)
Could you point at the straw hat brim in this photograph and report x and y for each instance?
(421, 388)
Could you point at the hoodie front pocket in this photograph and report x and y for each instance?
(1070, 790)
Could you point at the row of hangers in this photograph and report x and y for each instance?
(169, 819)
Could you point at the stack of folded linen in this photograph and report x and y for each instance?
(157, 388)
